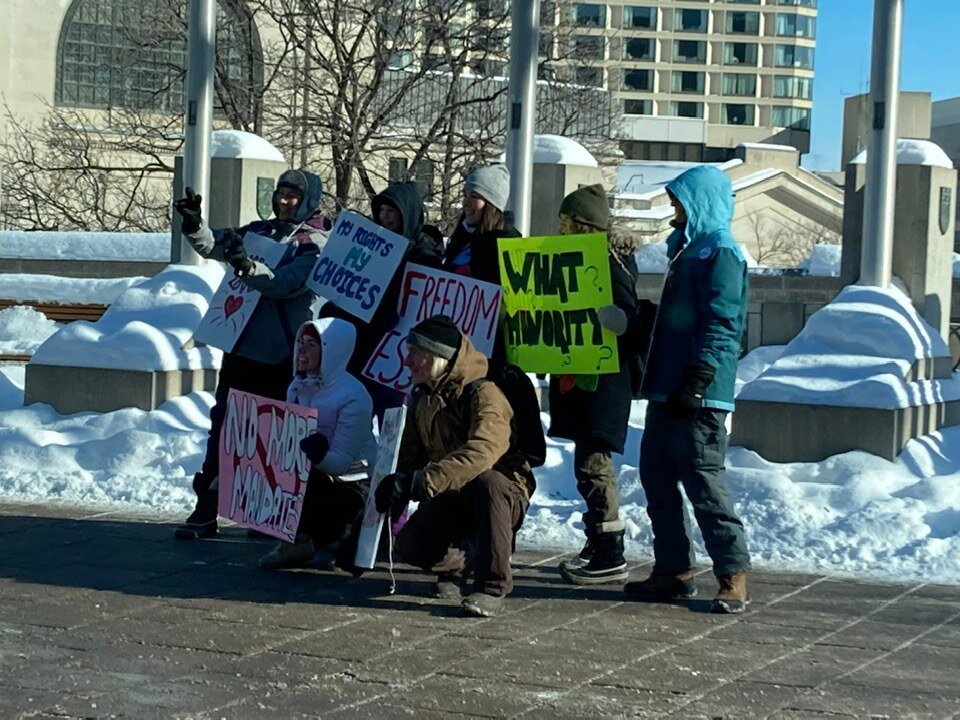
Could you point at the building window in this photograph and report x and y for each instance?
(586, 75)
(739, 84)
(687, 82)
(638, 49)
(747, 23)
(690, 21)
(423, 175)
(132, 54)
(686, 109)
(787, 86)
(397, 170)
(744, 2)
(545, 44)
(740, 53)
(689, 51)
(589, 15)
(796, 25)
(588, 47)
(490, 8)
(637, 107)
(793, 118)
(794, 56)
(548, 13)
(738, 114)
(644, 18)
(800, 3)
(638, 80)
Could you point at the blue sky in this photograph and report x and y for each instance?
(931, 62)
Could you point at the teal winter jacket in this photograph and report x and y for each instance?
(703, 306)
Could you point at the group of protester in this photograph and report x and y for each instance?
(459, 456)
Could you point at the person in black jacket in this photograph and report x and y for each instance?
(593, 410)
(472, 249)
(398, 208)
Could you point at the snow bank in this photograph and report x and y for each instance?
(956, 265)
(558, 150)
(240, 144)
(824, 261)
(856, 352)
(56, 245)
(23, 330)
(12, 378)
(652, 258)
(145, 328)
(914, 152)
(63, 290)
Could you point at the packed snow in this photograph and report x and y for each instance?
(63, 290)
(956, 265)
(824, 260)
(914, 152)
(145, 328)
(240, 144)
(23, 330)
(652, 258)
(558, 150)
(856, 352)
(57, 245)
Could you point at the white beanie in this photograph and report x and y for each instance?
(492, 183)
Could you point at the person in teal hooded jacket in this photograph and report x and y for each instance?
(689, 381)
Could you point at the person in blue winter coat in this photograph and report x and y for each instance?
(689, 381)
(260, 362)
(342, 443)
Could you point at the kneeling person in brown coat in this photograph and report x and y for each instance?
(456, 460)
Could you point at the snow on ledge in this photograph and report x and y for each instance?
(145, 328)
(558, 150)
(240, 144)
(914, 152)
(75, 245)
(767, 146)
(856, 352)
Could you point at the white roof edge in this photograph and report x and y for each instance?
(914, 152)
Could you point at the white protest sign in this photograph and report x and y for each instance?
(388, 451)
(356, 265)
(473, 305)
(232, 305)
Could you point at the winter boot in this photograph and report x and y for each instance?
(482, 605)
(585, 553)
(289, 555)
(732, 597)
(662, 588)
(606, 564)
(202, 522)
(447, 587)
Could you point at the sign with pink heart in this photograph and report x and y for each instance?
(233, 303)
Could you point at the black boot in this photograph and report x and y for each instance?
(202, 522)
(585, 553)
(606, 565)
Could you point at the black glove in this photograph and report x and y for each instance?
(316, 447)
(688, 398)
(392, 491)
(235, 254)
(189, 209)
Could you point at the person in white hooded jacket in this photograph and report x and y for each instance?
(343, 443)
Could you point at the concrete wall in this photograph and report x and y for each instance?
(550, 184)
(913, 121)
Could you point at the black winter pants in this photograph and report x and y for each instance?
(332, 511)
(484, 516)
(240, 373)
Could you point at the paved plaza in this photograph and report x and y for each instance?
(104, 615)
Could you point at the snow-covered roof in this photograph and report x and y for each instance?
(754, 178)
(767, 146)
(558, 150)
(644, 179)
(240, 144)
(914, 152)
(56, 245)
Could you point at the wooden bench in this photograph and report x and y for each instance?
(61, 313)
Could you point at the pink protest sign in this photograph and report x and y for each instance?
(263, 472)
(472, 304)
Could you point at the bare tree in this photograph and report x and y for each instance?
(785, 245)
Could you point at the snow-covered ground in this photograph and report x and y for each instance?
(63, 290)
(63, 245)
(853, 514)
(23, 330)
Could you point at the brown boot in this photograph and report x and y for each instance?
(732, 597)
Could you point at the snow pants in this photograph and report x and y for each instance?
(236, 372)
(332, 513)
(472, 528)
(689, 451)
(597, 485)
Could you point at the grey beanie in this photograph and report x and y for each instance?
(588, 205)
(438, 335)
(492, 183)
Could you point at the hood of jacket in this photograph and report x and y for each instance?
(469, 364)
(310, 201)
(707, 198)
(406, 198)
(337, 340)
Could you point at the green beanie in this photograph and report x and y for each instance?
(589, 206)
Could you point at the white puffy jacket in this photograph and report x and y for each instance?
(344, 408)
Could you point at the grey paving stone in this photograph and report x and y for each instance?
(814, 666)
(876, 702)
(738, 700)
(486, 698)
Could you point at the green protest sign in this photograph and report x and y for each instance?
(552, 289)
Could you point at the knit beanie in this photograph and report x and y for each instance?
(438, 335)
(589, 206)
(295, 180)
(492, 183)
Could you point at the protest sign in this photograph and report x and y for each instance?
(263, 472)
(232, 305)
(472, 304)
(356, 265)
(552, 289)
(388, 451)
